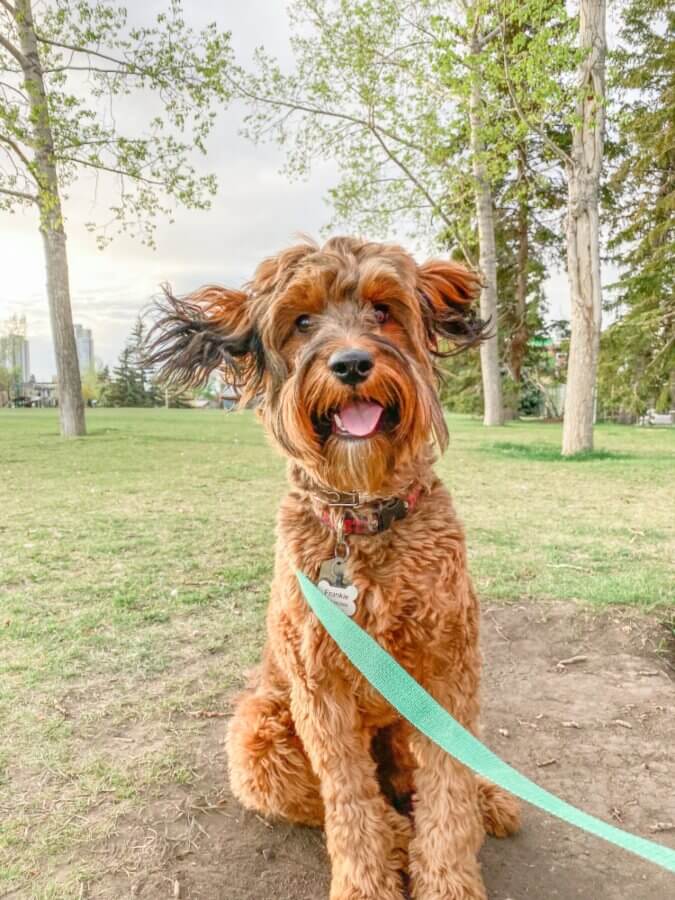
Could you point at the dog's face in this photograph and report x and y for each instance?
(339, 344)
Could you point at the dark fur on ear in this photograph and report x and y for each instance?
(447, 291)
(210, 329)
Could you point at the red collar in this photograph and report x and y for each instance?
(367, 517)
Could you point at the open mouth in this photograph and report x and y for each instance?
(357, 420)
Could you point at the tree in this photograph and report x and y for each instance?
(528, 185)
(538, 92)
(95, 384)
(526, 241)
(133, 382)
(104, 385)
(13, 357)
(9, 380)
(638, 348)
(584, 168)
(145, 373)
(125, 388)
(492, 387)
(62, 65)
(526, 181)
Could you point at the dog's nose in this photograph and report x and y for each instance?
(351, 366)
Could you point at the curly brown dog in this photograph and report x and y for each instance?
(339, 344)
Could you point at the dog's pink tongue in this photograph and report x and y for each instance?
(360, 418)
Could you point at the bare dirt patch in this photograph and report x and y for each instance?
(581, 702)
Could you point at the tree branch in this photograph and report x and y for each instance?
(669, 343)
(409, 174)
(112, 169)
(303, 106)
(128, 67)
(4, 85)
(485, 39)
(88, 51)
(19, 152)
(434, 40)
(138, 73)
(8, 6)
(21, 195)
(12, 50)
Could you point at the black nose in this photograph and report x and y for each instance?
(351, 366)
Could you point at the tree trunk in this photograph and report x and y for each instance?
(489, 351)
(583, 232)
(71, 404)
(520, 331)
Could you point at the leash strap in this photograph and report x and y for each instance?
(429, 717)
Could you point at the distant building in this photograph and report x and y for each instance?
(85, 347)
(14, 348)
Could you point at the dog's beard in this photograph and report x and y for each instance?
(361, 465)
(305, 420)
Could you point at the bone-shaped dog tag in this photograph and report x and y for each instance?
(334, 583)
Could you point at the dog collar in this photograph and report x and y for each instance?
(351, 513)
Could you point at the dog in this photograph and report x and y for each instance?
(340, 346)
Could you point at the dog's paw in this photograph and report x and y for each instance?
(389, 890)
(456, 885)
(500, 810)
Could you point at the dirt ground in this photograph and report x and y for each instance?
(599, 731)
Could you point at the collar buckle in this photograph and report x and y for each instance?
(390, 511)
(337, 498)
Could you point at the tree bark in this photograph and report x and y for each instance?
(583, 232)
(71, 404)
(489, 352)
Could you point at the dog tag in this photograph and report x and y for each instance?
(334, 583)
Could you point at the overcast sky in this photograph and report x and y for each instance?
(256, 212)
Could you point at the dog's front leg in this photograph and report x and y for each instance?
(367, 840)
(448, 828)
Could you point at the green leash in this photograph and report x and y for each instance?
(429, 717)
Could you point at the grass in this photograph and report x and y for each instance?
(134, 569)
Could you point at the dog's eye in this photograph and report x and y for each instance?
(303, 323)
(381, 313)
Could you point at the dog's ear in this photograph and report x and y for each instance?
(207, 330)
(447, 292)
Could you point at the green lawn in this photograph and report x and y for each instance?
(134, 567)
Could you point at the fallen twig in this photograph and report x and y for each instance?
(498, 629)
(208, 714)
(60, 708)
(570, 661)
(662, 826)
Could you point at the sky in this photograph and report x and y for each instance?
(256, 212)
